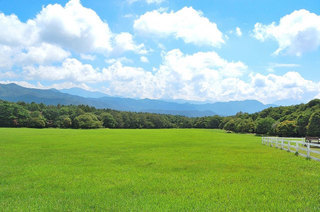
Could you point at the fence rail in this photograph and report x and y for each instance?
(298, 146)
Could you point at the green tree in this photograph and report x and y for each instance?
(245, 126)
(65, 122)
(313, 128)
(264, 125)
(108, 120)
(87, 121)
(230, 125)
(214, 122)
(286, 129)
(37, 120)
(302, 123)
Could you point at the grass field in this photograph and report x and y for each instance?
(151, 170)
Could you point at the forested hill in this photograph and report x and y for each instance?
(298, 120)
(15, 93)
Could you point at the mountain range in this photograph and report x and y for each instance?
(13, 92)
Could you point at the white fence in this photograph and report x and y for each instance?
(296, 145)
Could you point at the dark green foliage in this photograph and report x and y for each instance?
(214, 122)
(65, 122)
(286, 129)
(230, 125)
(87, 121)
(37, 120)
(264, 125)
(108, 120)
(245, 126)
(278, 121)
(302, 123)
(13, 115)
(314, 124)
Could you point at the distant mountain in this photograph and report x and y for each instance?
(83, 93)
(14, 93)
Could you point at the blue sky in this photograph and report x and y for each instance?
(164, 49)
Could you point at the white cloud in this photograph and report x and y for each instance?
(71, 70)
(88, 57)
(291, 85)
(273, 66)
(285, 65)
(124, 42)
(200, 76)
(296, 33)
(21, 83)
(196, 76)
(59, 86)
(144, 59)
(15, 33)
(120, 59)
(147, 1)
(187, 24)
(238, 32)
(55, 33)
(42, 53)
(74, 27)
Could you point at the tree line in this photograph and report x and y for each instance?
(298, 120)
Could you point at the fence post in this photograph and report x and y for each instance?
(288, 145)
(308, 150)
(282, 143)
(297, 147)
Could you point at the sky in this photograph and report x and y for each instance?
(197, 50)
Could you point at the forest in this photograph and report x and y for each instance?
(287, 121)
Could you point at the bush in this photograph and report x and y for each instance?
(87, 121)
(36, 122)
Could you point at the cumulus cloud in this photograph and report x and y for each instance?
(55, 33)
(70, 70)
(124, 42)
(200, 76)
(296, 33)
(42, 53)
(88, 57)
(144, 59)
(15, 33)
(147, 1)
(238, 32)
(73, 26)
(291, 85)
(195, 76)
(186, 24)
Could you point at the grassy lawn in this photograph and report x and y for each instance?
(151, 170)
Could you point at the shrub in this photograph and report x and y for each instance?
(87, 121)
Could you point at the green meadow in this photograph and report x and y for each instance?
(151, 170)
